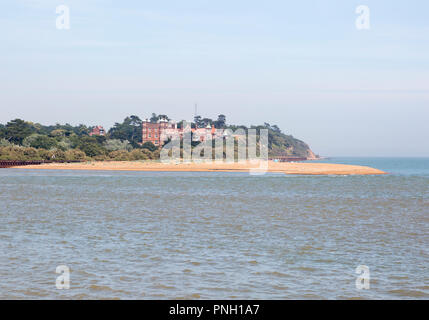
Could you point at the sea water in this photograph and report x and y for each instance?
(168, 235)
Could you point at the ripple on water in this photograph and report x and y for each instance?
(409, 293)
(212, 236)
(95, 287)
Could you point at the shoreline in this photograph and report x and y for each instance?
(276, 167)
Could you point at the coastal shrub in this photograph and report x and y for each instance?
(140, 154)
(91, 147)
(155, 155)
(119, 155)
(57, 155)
(5, 143)
(8, 153)
(64, 144)
(57, 133)
(18, 153)
(30, 154)
(39, 141)
(100, 157)
(75, 155)
(44, 154)
(117, 144)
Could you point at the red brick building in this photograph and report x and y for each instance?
(160, 131)
(97, 131)
(152, 132)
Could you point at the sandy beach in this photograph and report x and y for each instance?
(279, 167)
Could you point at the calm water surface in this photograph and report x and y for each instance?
(146, 235)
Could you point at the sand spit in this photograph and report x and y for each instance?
(280, 167)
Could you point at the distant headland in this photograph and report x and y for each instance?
(130, 140)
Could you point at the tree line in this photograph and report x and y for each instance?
(25, 141)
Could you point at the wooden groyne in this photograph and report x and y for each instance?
(14, 163)
(287, 159)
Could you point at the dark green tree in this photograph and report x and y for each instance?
(205, 122)
(80, 130)
(275, 128)
(220, 122)
(149, 146)
(163, 116)
(90, 146)
(2, 131)
(197, 121)
(42, 142)
(130, 129)
(154, 118)
(17, 130)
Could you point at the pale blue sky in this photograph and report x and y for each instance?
(299, 64)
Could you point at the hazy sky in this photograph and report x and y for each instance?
(302, 65)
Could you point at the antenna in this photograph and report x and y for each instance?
(195, 113)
